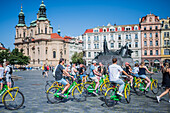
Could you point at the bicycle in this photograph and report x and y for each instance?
(10, 96)
(90, 86)
(50, 84)
(111, 97)
(54, 97)
(139, 87)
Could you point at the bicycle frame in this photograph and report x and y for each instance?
(67, 92)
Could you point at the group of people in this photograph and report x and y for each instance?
(114, 71)
(5, 73)
(45, 69)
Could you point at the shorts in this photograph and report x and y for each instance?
(62, 81)
(8, 78)
(136, 75)
(142, 76)
(81, 76)
(94, 79)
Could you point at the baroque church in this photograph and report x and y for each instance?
(38, 40)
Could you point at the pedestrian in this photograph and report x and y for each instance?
(74, 70)
(166, 82)
(1, 75)
(45, 71)
(8, 73)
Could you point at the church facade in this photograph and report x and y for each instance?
(38, 40)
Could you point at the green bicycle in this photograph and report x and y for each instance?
(111, 97)
(139, 87)
(12, 98)
(54, 91)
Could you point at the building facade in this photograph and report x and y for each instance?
(75, 45)
(165, 40)
(38, 40)
(116, 37)
(151, 40)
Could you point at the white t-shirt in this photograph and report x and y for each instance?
(1, 72)
(7, 69)
(135, 70)
(72, 70)
(114, 72)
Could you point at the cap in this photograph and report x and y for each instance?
(126, 63)
(94, 61)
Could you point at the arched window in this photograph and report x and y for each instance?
(45, 30)
(38, 61)
(54, 54)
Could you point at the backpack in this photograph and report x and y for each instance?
(10, 72)
(54, 70)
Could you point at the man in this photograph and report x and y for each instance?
(59, 76)
(74, 70)
(8, 72)
(114, 74)
(1, 75)
(100, 68)
(93, 72)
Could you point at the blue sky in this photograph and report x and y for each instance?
(75, 16)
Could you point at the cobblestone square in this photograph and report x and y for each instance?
(32, 85)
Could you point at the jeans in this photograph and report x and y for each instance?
(121, 83)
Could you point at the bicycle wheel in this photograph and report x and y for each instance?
(127, 93)
(104, 87)
(154, 87)
(109, 97)
(89, 88)
(50, 94)
(79, 93)
(139, 88)
(13, 99)
(47, 86)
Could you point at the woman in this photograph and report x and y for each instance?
(142, 74)
(166, 82)
(135, 70)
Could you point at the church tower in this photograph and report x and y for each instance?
(21, 28)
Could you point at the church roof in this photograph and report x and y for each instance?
(56, 36)
(2, 48)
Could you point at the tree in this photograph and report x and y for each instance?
(17, 57)
(4, 55)
(77, 58)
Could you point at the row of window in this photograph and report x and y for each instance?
(151, 43)
(96, 38)
(150, 28)
(96, 46)
(150, 35)
(151, 52)
(113, 29)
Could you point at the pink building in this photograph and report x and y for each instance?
(150, 40)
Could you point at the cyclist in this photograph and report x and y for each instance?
(93, 74)
(136, 70)
(8, 72)
(114, 74)
(128, 70)
(59, 76)
(142, 74)
(1, 75)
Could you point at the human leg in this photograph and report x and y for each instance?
(148, 82)
(121, 83)
(65, 83)
(164, 93)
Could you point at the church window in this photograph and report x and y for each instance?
(45, 30)
(54, 54)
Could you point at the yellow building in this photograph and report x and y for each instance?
(165, 40)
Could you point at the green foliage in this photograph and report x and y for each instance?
(15, 57)
(77, 58)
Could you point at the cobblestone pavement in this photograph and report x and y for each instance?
(32, 85)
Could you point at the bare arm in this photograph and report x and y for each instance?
(148, 70)
(67, 74)
(126, 73)
(96, 73)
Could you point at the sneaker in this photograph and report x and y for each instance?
(158, 99)
(120, 94)
(62, 95)
(94, 92)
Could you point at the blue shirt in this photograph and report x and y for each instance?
(91, 71)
